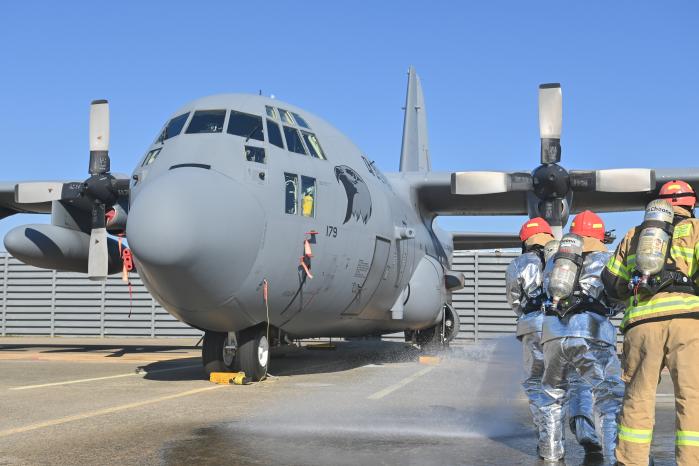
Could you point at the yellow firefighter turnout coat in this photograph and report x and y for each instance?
(684, 254)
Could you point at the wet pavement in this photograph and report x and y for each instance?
(364, 403)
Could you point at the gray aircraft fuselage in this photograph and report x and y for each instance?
(207, 226)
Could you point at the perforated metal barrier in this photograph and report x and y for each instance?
(49, 303)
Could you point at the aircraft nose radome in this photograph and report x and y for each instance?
(195, 235)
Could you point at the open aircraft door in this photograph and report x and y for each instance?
(368, 279)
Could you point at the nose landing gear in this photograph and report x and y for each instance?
(246, 351)
(440, 335)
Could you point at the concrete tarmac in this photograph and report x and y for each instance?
(364, 403)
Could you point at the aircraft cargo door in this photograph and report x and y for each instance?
(366, 280)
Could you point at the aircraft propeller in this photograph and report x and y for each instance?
(550, 187)
(101, 189)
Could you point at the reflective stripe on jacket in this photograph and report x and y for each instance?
(684, 253)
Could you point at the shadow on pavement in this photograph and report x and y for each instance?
(175, 370)
(294, 361)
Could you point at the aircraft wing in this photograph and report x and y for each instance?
(434, 192)
(618, 202)
(473, 240)
(8, 206)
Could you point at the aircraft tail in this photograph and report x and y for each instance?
(415, 153)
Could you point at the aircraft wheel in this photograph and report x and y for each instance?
(451, 323)
(218, 352)
(430, 339)
(253, 352)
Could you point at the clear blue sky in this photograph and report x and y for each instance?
(629, 71)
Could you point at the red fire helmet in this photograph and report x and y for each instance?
(533, 226)
(678, 192)
(588, 223)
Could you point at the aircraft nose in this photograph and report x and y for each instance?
(195, 235)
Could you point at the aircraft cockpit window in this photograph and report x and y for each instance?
(150, 158)
(246, 125)
(255, 154)
(293, 140)
(207, 121)
(274, 134)
(313, 145)
(291, 183)
(174, 127)
(286, 117)
(300, 121)
(271, 112)
(308, 201)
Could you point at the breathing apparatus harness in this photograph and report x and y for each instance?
(578, 300)
(670, 279)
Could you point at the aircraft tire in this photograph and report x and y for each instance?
(253, 352)
(212, 352)
(430, 339)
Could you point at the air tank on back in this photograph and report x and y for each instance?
(565, 269)
(654, 240)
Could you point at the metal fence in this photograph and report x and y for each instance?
(49, 303)
(481, 304)
(45, 302)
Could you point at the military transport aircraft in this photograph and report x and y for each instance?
(258, 222)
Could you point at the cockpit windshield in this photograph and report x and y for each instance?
(246, 125)
(207, 121)
(174, 127)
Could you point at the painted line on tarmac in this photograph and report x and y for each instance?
(102, 412)
(92, 379)
(388, 390)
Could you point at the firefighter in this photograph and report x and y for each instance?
(655, 270)
(525, 295)
(578, 336)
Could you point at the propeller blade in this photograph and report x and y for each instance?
(473, 183)
(46, 191)
(39, 191)
(99, 137)
(617, 180)
(98, 258)
(550, 122)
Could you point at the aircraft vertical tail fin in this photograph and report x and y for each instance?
(415, 153)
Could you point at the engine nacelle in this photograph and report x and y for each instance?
(54, 247)
(116, 219)
(424, 298)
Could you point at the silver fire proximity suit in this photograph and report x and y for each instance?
(583, 341)
(525, 296)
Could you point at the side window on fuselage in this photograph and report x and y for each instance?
(274, 134)
(271, 112)
(293, 140)
(150, 158)
(291, 183)
(255, 154)
(286, 117)
(308, 196)
(313, 145)
(300, 121)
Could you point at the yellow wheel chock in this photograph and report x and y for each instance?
(429, 360)
(229, 378)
